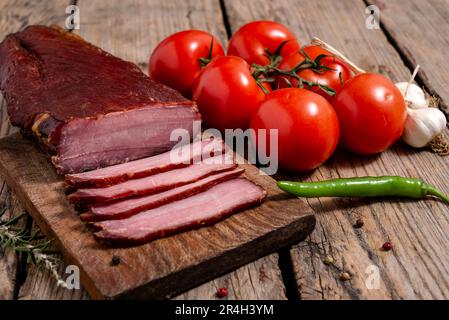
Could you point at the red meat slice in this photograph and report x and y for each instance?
(176, 158)
(156, 183)
(128, 207)
(204, 208)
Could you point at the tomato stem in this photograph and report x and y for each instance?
(276, 58)
(259, 83)
(272, 69)
(205, 61)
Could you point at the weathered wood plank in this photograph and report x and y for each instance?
(9, 262)
(139, 27)
(162, 267)
(131, 29)
(14, 16)
(131, 20)
(417, 266)
(258, 280)
(419, 29)
(41, 285)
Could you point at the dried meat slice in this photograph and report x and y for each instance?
(204, 208)
(125, 208)
(176, 158)
(156, 183)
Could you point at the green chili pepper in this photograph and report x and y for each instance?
(363, 187)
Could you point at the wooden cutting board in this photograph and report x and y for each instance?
(163, 267)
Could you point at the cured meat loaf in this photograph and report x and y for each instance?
(156, 183)
(88, 108)
(125, 208)
(176, 158)
(196, 211)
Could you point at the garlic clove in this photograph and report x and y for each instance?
(422, 126)
(415, 97)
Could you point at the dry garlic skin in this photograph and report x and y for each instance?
(414, 97)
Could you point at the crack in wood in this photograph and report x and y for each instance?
(226, 21)
(292, 291)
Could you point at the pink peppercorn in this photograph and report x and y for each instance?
(222, 292)
(387, 246)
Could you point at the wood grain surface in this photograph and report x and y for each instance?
(412, 32)
(130, 30)
(417, 267)
(14, 16)
(138, 26)
(163, 267)
(419, 31)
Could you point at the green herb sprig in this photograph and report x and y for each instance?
(37, 251)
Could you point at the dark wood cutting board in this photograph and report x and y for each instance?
(165, 266)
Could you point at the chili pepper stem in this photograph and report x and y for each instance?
(338, 54)
(432, 191)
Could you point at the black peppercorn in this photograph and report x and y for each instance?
(115, 260)
(359, 223)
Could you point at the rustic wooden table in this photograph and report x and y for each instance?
(411, 32)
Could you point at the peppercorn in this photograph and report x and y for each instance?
(359, 223)
(328, 260)
(115, 260)
(387, 246)
(345, 276)
(222, 292)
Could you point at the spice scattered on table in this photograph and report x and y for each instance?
(359, 223)
(345, 276)
(222, 292)
(328, 260)
(115, 260)
(387, 246)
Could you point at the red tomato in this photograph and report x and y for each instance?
(371, 112)
(175, 61)
(227, 94)
(330, 78)
(308, 127)
(251, 40)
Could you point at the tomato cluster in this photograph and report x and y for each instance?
(268, 81)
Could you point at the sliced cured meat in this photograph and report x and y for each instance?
(196, 211)
(156, 183)
(128, 207)
(176, 158)
(88, 108)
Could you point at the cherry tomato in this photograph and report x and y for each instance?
(307, 126)
(330, 78)
(251, 41)
(175, 61)
(226, 93)
(371, 112)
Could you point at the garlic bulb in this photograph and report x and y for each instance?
(415, 97)
(422, 126)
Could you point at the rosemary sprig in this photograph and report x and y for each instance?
(37, 252)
